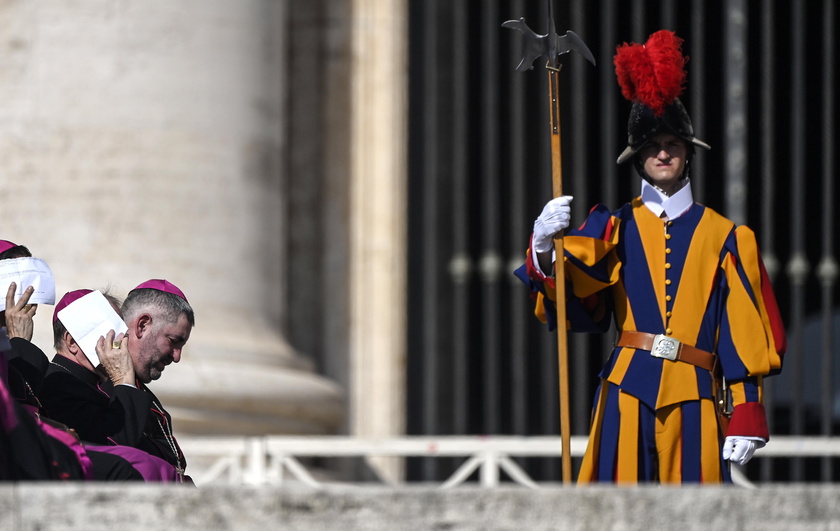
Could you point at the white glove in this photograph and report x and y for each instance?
(741, 449)
(554, 218)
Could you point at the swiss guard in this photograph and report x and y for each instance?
(698, 327)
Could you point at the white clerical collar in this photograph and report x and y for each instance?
(673, 206)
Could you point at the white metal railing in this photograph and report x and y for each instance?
(267, 460)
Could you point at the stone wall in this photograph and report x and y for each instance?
(29, 507)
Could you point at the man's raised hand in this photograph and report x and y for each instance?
(19, 314)
(115, 359)
(553, 219)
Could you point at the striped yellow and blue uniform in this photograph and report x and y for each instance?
(697, 278)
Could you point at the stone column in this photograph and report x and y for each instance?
(145, 139)
(378, 215)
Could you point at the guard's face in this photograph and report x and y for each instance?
(663, 157)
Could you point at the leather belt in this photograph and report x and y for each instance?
(667, 347)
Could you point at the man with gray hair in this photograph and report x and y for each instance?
(159, 321)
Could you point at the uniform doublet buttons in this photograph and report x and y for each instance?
(667, 280)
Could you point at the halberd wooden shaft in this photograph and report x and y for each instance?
(560, 279)
(551, 46)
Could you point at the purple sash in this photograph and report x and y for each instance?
(150, 467)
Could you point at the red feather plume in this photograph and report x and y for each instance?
(652, 73)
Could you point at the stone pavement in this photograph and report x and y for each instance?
(33, 506)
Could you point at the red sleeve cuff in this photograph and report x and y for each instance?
(534, 271)
(749, 420)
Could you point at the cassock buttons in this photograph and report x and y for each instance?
(668, 331)
(668, 314)
(667, 281)
(667, 236)
(668, 298)
(667, 265)
(667, 250)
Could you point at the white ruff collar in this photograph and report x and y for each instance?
(673, 206)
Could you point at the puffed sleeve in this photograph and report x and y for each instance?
(752, 339)
(589, 268)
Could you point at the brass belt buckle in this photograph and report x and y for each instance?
(665, 347)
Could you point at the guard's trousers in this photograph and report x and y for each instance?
(629, 442)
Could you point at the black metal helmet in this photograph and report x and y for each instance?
(643, 124)
(652, 76)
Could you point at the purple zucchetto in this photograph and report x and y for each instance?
(5, 245)
(162, 285)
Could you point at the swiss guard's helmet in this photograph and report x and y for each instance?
(652, 76)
